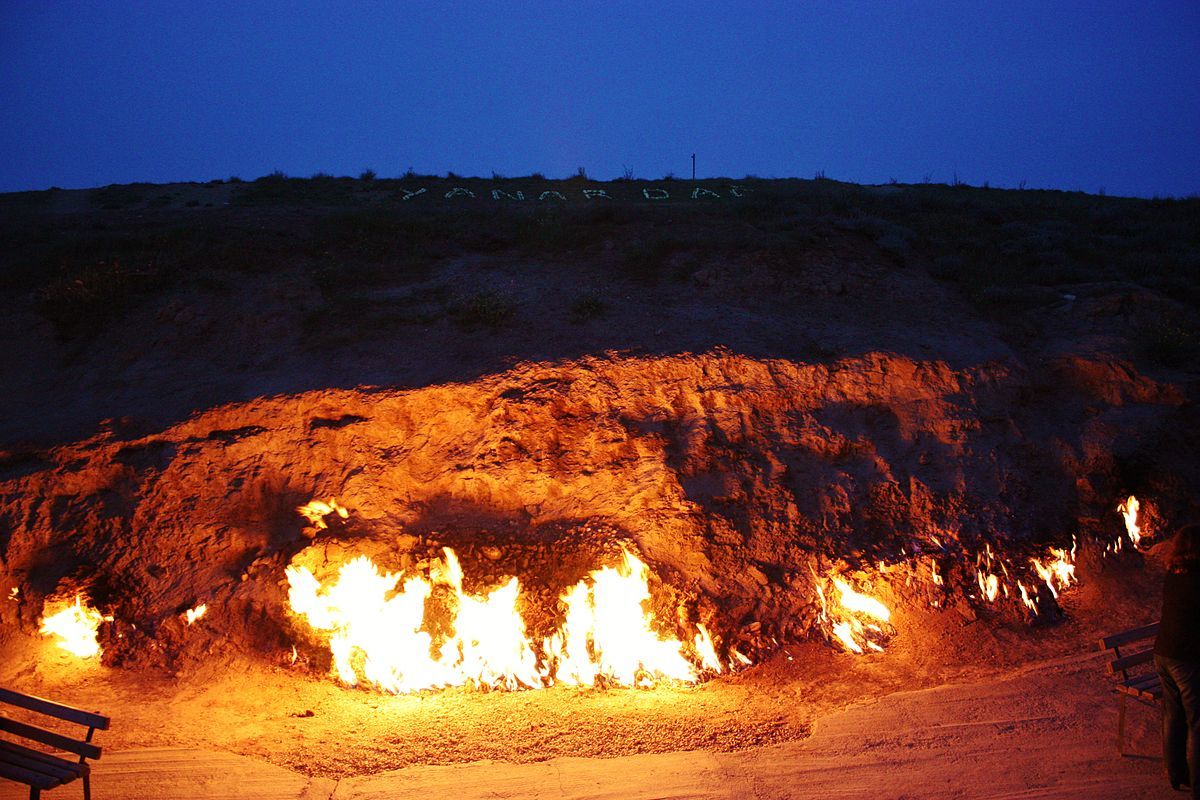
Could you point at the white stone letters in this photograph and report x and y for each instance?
(649, 193)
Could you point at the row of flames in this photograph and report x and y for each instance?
(375, 621)
(860, 623)
(1055, 571)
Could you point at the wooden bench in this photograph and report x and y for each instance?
(1133, 666)
(38, 769)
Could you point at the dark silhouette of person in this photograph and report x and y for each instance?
(1177, 659)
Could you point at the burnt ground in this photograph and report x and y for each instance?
(811, 377)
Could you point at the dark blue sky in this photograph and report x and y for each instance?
(1066, 95)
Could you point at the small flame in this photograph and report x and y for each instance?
(75, 625)
(1058, 571)
(989, 586)
(863, 604)
(989, 582)
(315, 512)
(1129, 511)
(1029, 602)
(705, 651)
(847, 615)
(845, 634)
(14, 593)
(193, 614)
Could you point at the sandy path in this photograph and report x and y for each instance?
(1046, 731)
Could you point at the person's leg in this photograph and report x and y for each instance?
(1174, 723)
(1187, 680)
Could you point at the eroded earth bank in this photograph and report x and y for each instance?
(788, 440)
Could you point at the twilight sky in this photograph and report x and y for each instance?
(1068, 95)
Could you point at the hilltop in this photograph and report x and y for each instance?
(143, 303)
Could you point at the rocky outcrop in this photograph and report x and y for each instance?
(739, 481)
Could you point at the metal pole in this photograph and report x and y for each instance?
(693, 166)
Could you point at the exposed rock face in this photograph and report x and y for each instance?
(739, 480)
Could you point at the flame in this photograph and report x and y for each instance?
(1129, 510)
(75, 625)
(373, 636)
(845, 633)
(315, 512)
(193, 614)
(1059, 570)
(861, 603)
(607, 633)
(1029, 602)
(1056, 570)
(705, 650)
(378, 635)
(851, 618)
(989, 585)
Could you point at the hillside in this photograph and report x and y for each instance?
(813, 419)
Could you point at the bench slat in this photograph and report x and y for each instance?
(1133, 691)
(53, 709)
(1125, 662)
(64, 771)
(27, 777)
(1144, 681)
(7, 745)
(85, 749)
(1145, 687)
(1125, 637)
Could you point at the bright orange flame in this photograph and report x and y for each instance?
(1058, 571)
(376, 626)
(607, 633)
(845, 634)
(193, 614)
(847, 615)
(1129, 511)
(376, 632)
(1026, 599)
(989, 585)
(861, 603)
(315, 512)
(989, 582)
(705, 650)
(75, 625)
